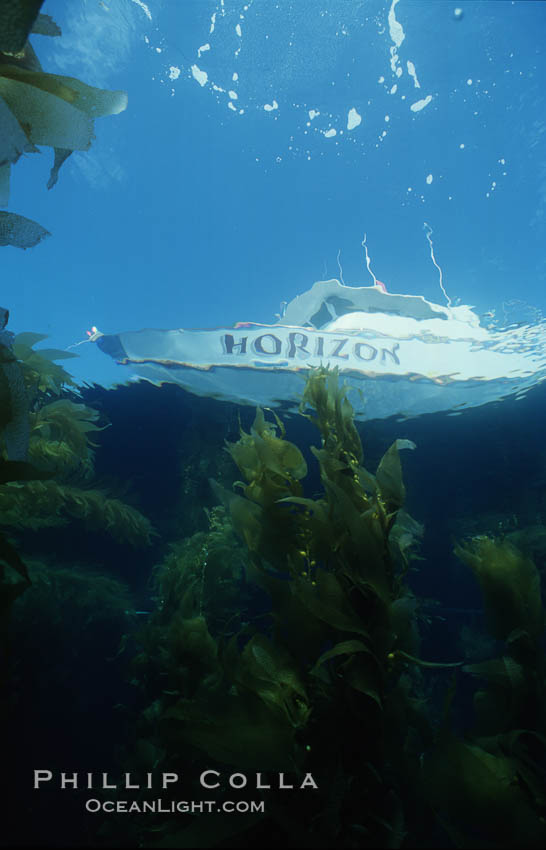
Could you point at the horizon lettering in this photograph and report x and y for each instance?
(305, 346)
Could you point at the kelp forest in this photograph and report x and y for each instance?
(243, 624)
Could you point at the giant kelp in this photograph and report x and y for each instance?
(314, 682)
(513, 691)
(45, 504)
(68, 621)
(14, 430)
(286, 639)
(14, 573)
(38, 108)
(511, 588)
(14, 406)
(60, 446)
(51, 485)
(489, 789)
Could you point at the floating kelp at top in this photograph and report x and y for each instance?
(16, 22)
(407, 355)
(20, 231)
(37, 108)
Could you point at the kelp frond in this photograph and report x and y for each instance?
(333, 412)
(40, 504)
(510, 583)
(60, 438)
(41, 374)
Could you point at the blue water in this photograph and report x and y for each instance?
(239, 175)
(186, 212)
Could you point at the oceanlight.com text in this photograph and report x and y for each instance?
(174, 806)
